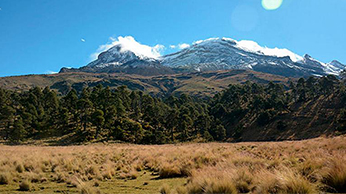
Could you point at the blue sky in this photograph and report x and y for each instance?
(39, 36)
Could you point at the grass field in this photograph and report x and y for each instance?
(307, 166)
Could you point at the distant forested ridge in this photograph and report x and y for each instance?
(308, 108)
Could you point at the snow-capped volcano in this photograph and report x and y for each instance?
(127, 55)
(226, 53)
(123, 50)
(254, 47)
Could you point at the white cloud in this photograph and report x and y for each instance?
(252, 46)
(179, 46)
(128, 43)
(159, 48)
(82, 39)
(50, 72)
(183, 46)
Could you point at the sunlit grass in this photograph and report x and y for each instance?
(317, 165)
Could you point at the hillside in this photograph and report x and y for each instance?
(198, 83)
(241, 112)
(315, 117)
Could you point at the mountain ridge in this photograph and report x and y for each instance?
(210, 55)
(194, 83)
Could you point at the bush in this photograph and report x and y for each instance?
(129, 175)
(85, 188)
(264, 118)
(181, 190)
(243, 182)
(292, 182)
(20, 168)
(96, 184)
(299, 186)
(107, 175)
(4, 179)
(170, 171)
(281, 126)
(92, 170)
(335, 178)
(25, 186)
(133, 174)
(212, 186)
(221, 186)
(207, 136)
(165, 189)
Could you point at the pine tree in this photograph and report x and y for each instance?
(18, 133)
(120, 108)
(172, 121)
(98, 120)
(7, 118)
(220, 133)
(84, 106)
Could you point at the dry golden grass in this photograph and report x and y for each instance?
(165, 189)
(310, 166)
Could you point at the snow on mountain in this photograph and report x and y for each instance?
(125, 54)
(252, 46)
(336, 67)
(125, 49)
(332, 68)
(227, 53)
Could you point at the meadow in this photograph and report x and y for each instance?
(307, 166)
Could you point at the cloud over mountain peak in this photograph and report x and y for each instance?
(128, 43)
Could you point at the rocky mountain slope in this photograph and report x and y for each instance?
(209, 55)
(115, 60)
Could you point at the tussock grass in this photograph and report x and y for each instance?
(170, 171)
(292, 182)
(4, 178)
(20, 168)
(129, 175)
(25, 186)
(86, 188)
(335, 176)
(309, 166)
(165, 189)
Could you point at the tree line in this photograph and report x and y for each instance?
(101, 113)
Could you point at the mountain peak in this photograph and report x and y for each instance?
(307, 56)
(115, 56)
(336, 62)
(337, 65)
